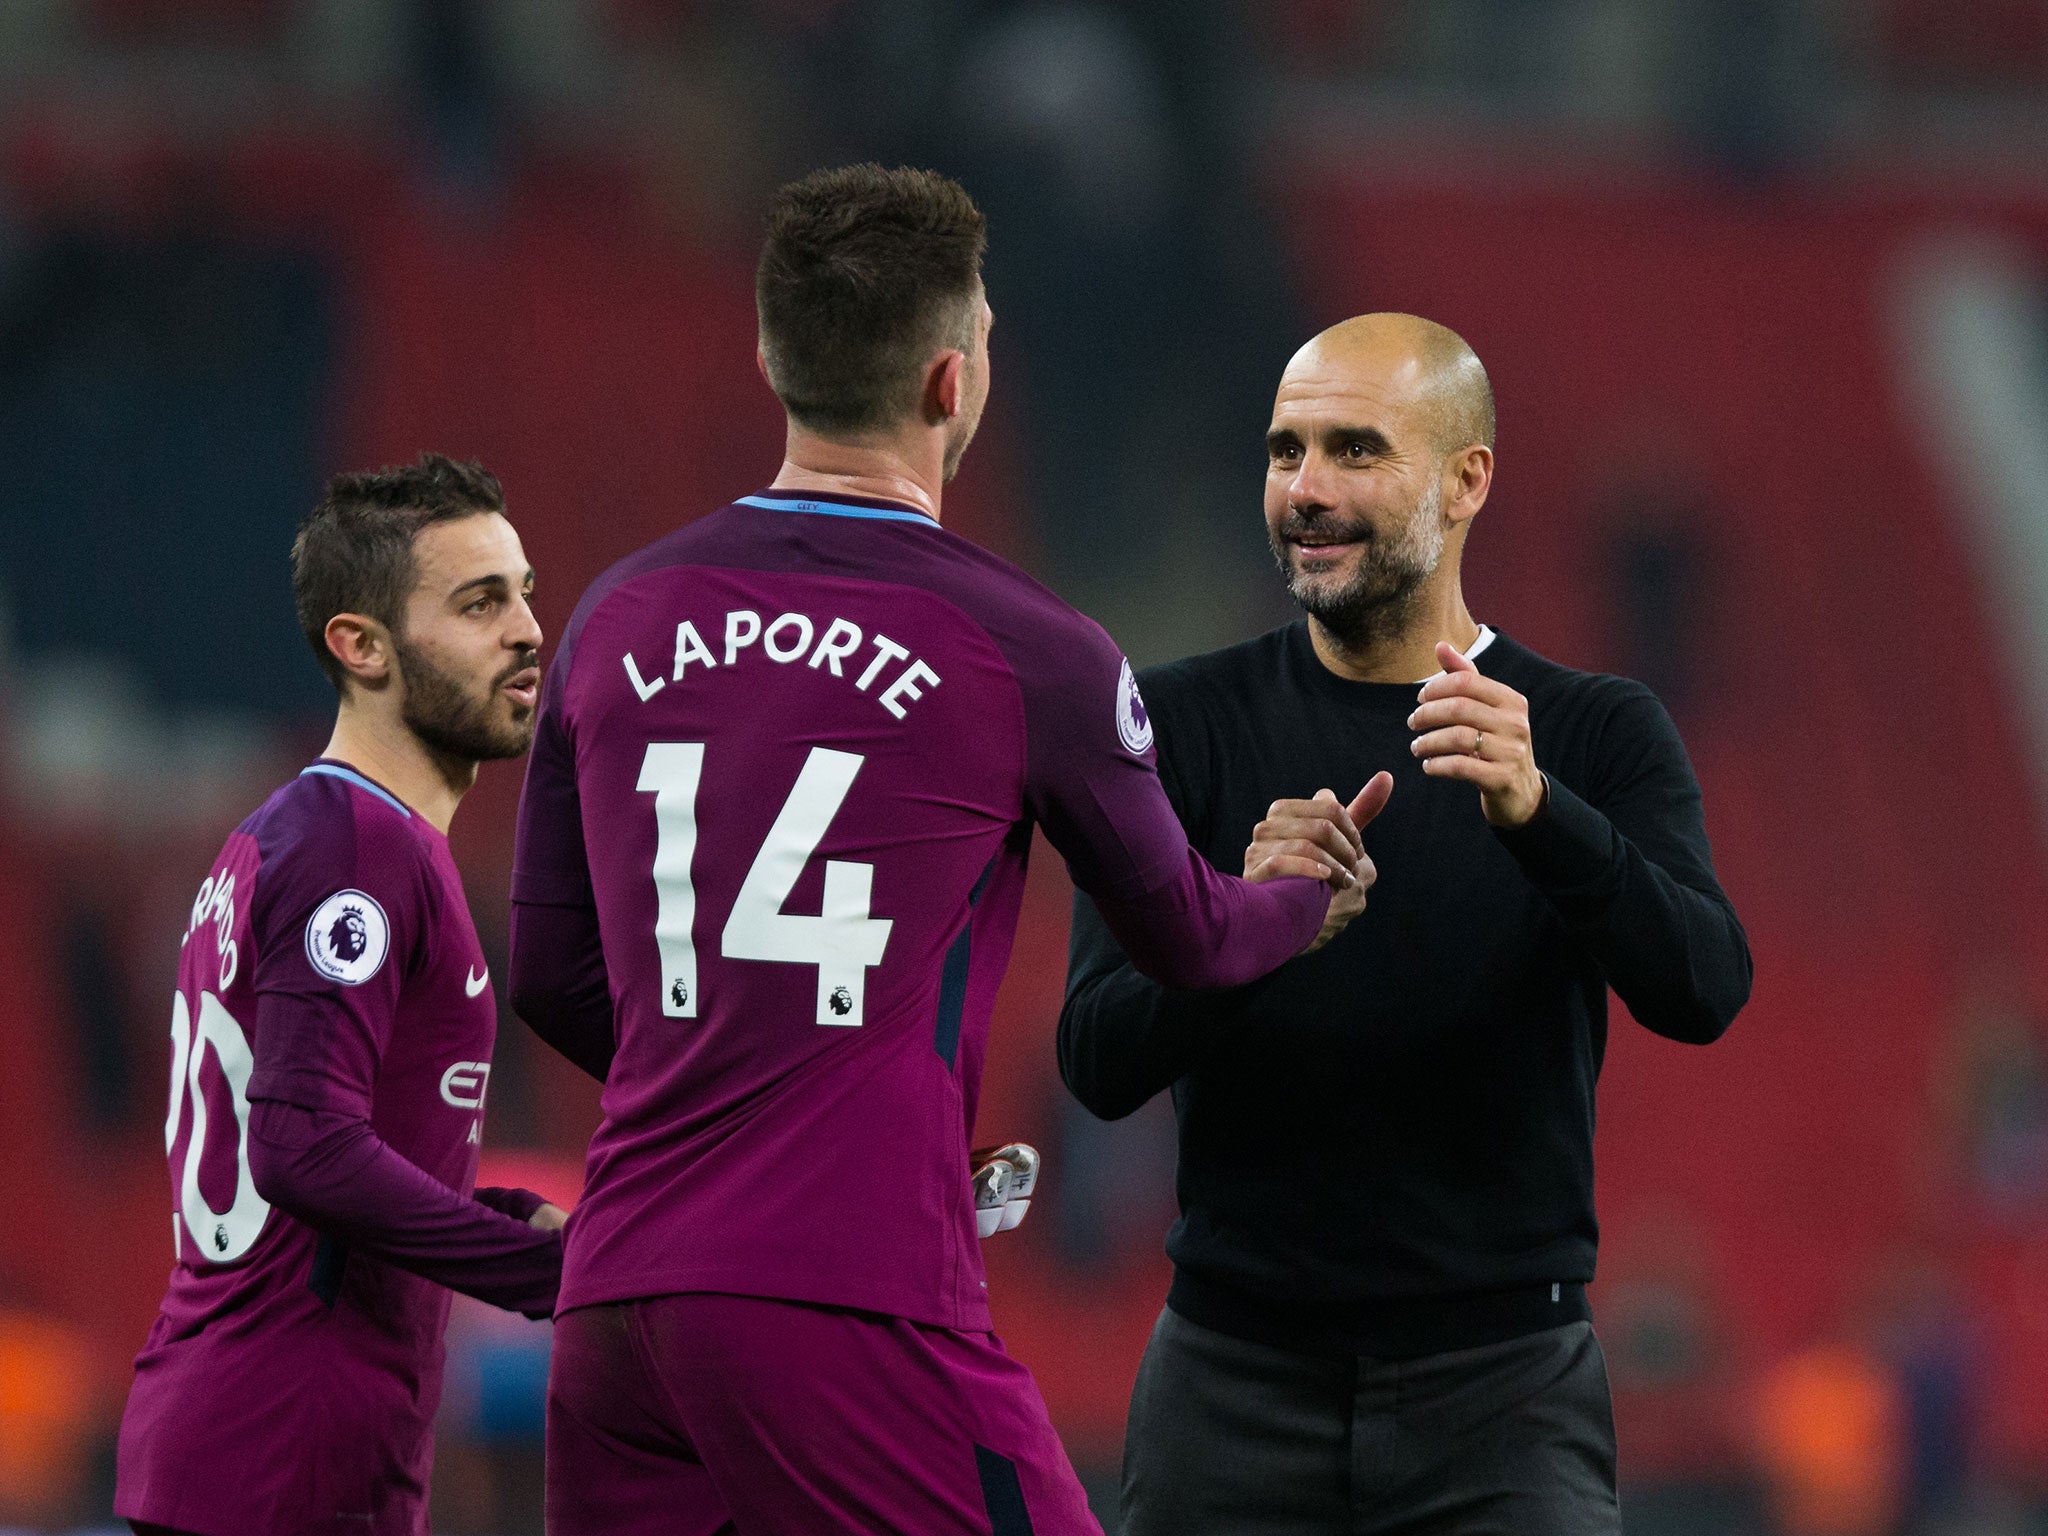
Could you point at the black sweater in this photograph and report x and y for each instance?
(1386, 1147)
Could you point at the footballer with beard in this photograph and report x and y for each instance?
(330, 1048)
(1378, 1316)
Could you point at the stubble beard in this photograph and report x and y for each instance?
(455, 722)
(1376, 603)
(956, 446)
(965, 425)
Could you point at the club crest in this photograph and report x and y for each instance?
(1133, 725)
(347, 938)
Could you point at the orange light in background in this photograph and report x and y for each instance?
(46, 1413)
(1831, 1431)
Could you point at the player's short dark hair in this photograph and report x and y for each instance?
(353, 553)
(865, 273)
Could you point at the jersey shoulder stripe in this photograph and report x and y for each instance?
(350, 776)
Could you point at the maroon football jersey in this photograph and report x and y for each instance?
(792, 756)
(330, 962)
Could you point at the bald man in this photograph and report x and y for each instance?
(1378, 1318)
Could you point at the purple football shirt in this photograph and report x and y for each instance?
(791, 757)
(330, 970)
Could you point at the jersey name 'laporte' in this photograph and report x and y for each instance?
(838, 646)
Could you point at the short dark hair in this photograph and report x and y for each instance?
(353, 553)
(864, 274)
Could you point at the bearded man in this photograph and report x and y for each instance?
(331, 1041)
(1378, 1319)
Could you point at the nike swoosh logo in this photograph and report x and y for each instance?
(477, 983)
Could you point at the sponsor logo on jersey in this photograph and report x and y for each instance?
(462, 1085)
(348, 937)
(1133, 725)
(476, 981)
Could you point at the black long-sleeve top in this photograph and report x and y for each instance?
(1386, 1147)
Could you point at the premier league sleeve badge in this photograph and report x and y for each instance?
(348, 937)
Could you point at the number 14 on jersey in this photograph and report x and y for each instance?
(842, 940)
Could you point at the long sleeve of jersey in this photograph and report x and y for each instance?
(326, 1144)
(558, 982)
(332, 1171)
(1093, 784)
(1206, 930)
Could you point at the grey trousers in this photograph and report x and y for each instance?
(1241, 1439)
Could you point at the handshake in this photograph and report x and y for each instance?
(1003, 1179)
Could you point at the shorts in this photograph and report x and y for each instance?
(699, 1414)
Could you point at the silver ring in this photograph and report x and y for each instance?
(1478, 741)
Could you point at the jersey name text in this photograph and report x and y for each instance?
(838, 647)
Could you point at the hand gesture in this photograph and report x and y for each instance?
(1470, 726)
(1321, 838)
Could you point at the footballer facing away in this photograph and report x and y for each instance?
(330, 1046)
(770, 857)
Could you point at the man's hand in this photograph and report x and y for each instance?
(549, 1218)
(1321, 838)
(1472, 727)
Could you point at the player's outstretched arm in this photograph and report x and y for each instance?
(1191, 934)
(558, 982)
(1092, 785)
(329, 1169)
(1202, 929)
(1122, 1036)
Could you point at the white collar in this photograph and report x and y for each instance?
(1486, 638)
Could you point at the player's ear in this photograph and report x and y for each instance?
(362, 646)
(945, 386)
(1468, 475)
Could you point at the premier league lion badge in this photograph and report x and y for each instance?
(347, 938)
(1133, 725)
